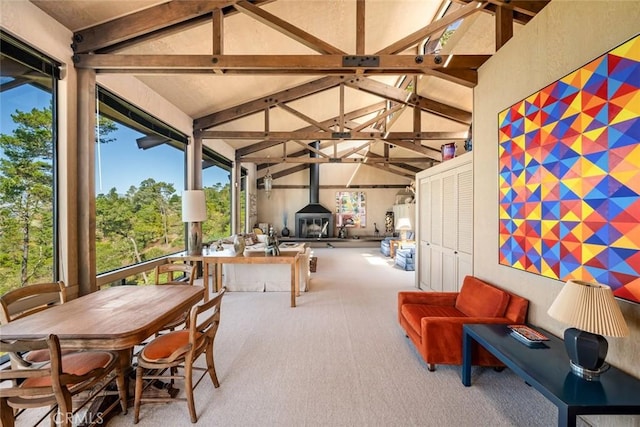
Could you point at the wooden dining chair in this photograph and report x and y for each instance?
(169, 274)
(25, 301)
(56, 382)
(174, 274)
(178, 350)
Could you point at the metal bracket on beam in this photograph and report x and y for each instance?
(341, 135)
(335, 160)
(361, 61)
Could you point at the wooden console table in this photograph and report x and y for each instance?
(217, 259)
(547, 370)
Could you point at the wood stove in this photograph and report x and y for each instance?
(314, 220)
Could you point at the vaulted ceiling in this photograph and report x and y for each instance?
(367, 78)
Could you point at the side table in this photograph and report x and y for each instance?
(547, 370)
(397, 244)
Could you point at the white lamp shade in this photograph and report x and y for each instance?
(403, 224)
(590, 307)
(194, 207)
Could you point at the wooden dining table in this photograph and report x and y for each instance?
(116, 318)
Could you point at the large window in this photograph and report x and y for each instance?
(216, 180)
(140, 175)
(27, 165)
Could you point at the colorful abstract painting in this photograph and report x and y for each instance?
(569, 176)
(351, 209)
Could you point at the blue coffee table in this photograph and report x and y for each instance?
(547, 370)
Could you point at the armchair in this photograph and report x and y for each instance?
(433, 320)
(386, 243)
(405, 257)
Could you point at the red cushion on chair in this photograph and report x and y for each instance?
(79, 363)
(164, 345)
(39, 356)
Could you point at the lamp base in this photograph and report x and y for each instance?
(586, 352)
(194, 246)
(588, 374)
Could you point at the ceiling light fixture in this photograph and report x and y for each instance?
(268, 183)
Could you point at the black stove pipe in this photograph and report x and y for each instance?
(314, 175)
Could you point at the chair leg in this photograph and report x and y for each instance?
(211, 367)
(122, 389)
(138, 394)
(188, 390)
(6, 414)
(64, 414)
(431, 367)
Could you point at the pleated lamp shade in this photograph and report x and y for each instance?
(590, 307)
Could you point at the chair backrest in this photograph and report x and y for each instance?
(47, 384)
(168, 274)
(30, 299)
(24, 376)
(203, 323)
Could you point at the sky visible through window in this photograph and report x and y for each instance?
(133, 165)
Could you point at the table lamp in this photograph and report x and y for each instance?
(194, 210)
(404, 225)
(591, 311)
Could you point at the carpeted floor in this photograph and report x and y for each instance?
(340, 359)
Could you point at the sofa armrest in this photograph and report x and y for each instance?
(441, 337)
(428, 298)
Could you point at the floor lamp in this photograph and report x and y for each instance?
(194, 211)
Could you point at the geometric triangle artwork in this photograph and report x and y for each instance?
(571, 210)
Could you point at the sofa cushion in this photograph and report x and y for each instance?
(413, 313)
(479, 299)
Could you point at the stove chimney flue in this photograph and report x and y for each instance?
(314, 175)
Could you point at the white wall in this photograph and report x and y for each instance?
(560, 39)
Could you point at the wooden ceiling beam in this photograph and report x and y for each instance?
(251, 107)
(263, 145)
(397, 64)
(281, 136)
(523, 10)
(504, 26)
(143, 22)
(360, 27)
(409, 98)
(392, 161)
(286, 28)
(304, 117)
(283, 173)
(439, 25)
(309, 160)
(526, 7)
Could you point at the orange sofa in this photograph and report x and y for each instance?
(433, 320)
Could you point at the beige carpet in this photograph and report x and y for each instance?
(340, 359)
